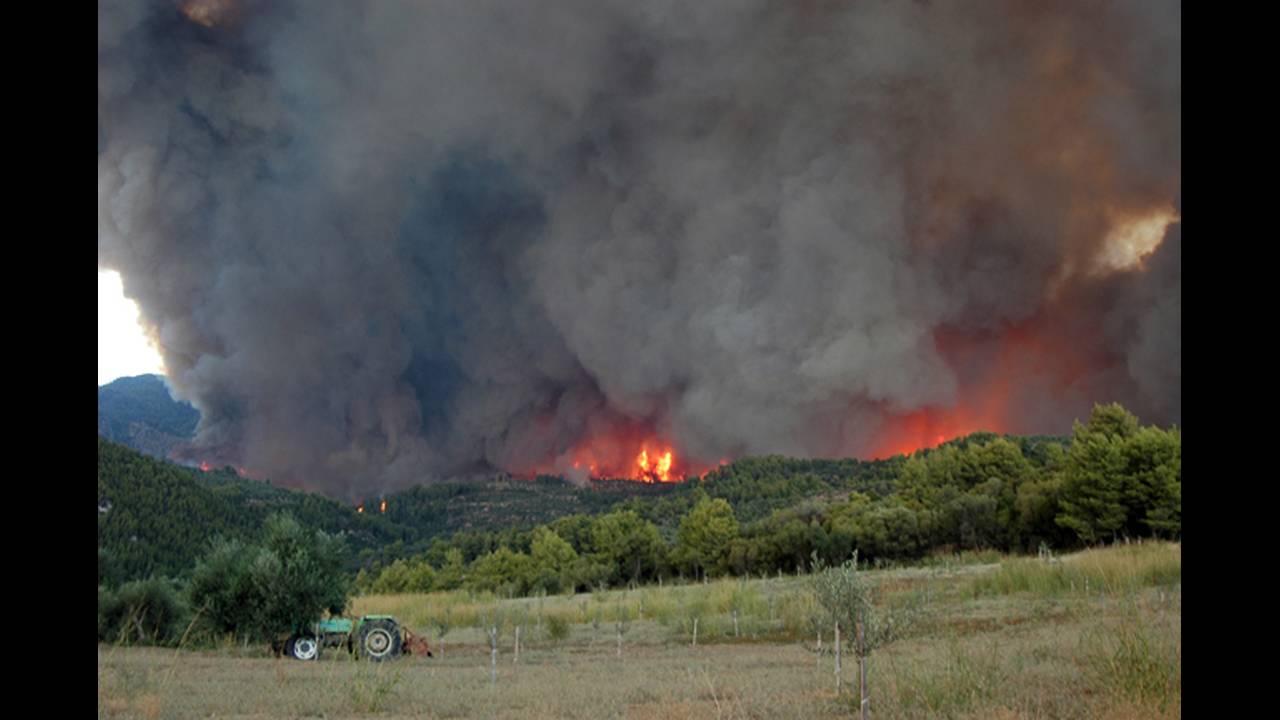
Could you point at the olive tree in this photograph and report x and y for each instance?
(263, 591)
(846, 596)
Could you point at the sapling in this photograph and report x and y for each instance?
(493, 654)
(846, 596)
(696, 608)
(622, 625)
(836, 643)
(443, 624)
(524, 621)
(736, 602)
(491, 624)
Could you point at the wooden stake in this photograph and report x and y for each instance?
(862, 671)
(493, 654)
(837, 645)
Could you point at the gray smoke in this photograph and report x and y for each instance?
(386, 242)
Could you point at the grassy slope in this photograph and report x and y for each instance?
(1014, 639)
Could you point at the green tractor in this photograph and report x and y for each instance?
(372, 637)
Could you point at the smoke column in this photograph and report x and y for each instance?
(386, 242)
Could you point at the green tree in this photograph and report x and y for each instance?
(553, 560)
(405, 576)
(1094, 493)
(1120, 478)
(888, 532)
(1153, 482)
(705, 535)
(265, 591)
(220, 586)
(550, 550)
(151, 612)
(1112, 420)
(502, 571)
(629, 545)
(299, 574)
(975, 519)
(453, 572)
(1036, 507)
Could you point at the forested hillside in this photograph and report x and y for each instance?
(155, 517)
(1112, 479)
(138, 412)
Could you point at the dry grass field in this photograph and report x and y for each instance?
(1094, 635)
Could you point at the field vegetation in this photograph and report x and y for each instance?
(1093, 634)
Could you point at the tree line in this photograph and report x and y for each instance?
(1113, 479)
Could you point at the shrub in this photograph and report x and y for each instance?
(557, 628)
(262, 592)
(220, 586)
(150, 611)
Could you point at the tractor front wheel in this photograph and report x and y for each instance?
(302, 647)
(379, 640)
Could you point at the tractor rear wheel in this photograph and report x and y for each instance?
(302, 647)
(379, 640)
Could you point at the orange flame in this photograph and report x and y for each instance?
(383, 507)
(658, 470)
(985, 398)
(929, 428)
(620, 452)
(360, 508)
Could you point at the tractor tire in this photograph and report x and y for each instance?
(302, 647)
(379, 640)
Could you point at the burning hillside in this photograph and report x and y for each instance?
(385, 243)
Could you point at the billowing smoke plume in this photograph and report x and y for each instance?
(390, 241)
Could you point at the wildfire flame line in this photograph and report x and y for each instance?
(659, 471)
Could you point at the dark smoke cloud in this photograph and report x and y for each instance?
(385, 242)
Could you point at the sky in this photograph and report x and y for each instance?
(123, 347)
